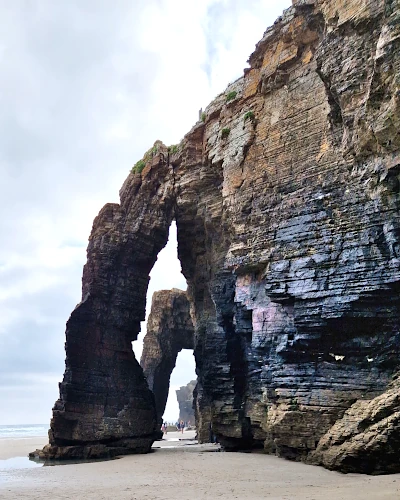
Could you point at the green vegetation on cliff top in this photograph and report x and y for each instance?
(139, 165)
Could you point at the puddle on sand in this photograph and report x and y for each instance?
(18, 463)
(51, 463)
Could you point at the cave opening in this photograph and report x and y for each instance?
(165, 344)
(180, 404)
(165, 275)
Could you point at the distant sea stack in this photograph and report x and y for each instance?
(184, 395)
(169, 330)
(286, 197)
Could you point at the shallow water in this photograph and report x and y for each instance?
(171, 443)
(30, 463)
(19, 463)
(22, 431)
(50, 463)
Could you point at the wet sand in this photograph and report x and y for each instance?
(183, 470)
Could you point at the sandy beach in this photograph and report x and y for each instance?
(184, 470)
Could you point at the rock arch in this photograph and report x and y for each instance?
(169, 330)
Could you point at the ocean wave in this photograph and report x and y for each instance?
(27, 430)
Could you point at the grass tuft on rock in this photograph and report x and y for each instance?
(249, 116)
(231, 95)
(138, 167)
(225, 132)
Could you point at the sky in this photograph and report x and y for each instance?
(86, 88)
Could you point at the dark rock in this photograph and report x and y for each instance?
(104, 398)
(184, 395)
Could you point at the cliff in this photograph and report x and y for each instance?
(286, 200)
(184, 395)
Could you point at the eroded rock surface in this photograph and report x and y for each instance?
(105, 406)
(366, 439)
(169, 330)
(286, 200)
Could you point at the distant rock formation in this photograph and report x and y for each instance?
(184, 395)
(169, 330)
(286, 196)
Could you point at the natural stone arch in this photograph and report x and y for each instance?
(169, 330)
(105, 406)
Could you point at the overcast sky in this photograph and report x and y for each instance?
(86, 87)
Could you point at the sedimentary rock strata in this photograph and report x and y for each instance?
(169, 330)
(286, 199)
(366, 439)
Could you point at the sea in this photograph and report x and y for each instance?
(23, 431)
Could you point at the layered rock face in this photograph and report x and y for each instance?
(366, 439)
(105, 406)
(286, 199)
(184, 395)
(169, 330)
